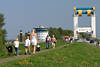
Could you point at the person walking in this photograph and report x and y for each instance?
(48, 39)
(16, 45)
(71, 39)
(67, 39)
(53, 40)
(27, 46)
(10, 50)
(97, 44)
(34, 40)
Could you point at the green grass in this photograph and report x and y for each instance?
(75, 55)
(42, 45)
(22, 49)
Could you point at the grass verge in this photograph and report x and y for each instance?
(75, 55)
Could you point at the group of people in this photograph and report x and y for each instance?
(50, 40)
(68, 39)
(33, 39)
(29, 39)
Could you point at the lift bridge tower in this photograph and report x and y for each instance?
(90, 11)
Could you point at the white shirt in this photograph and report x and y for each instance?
(48, 38)
(27, 42)
(38, 45)
(16, 44)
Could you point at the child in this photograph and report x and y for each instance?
(27, 46)
(16, 45)
(38, 48)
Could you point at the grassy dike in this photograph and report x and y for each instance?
(75, 55)
(22, 49)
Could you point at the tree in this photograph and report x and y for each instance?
(54, 31)
(68, 32)
(59, 32)
(2, 32)
(84, 35)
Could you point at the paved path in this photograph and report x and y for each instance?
(23, 56)
(88, 42)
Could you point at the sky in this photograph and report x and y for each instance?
(27, 14)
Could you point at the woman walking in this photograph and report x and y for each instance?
(53, 40)
(34, 40)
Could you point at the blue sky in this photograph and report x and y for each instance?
(26, 14)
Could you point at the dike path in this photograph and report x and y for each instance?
(4, 60)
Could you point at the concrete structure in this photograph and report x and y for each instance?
(90, 12)
(42, 33)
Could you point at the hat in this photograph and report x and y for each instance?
(16, 39)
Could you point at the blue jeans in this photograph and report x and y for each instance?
(16, 51)
(47, 44)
